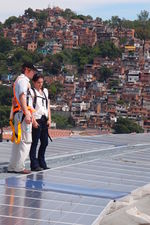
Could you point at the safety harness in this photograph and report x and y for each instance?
(36, 96)
(34, 104)
(16, 138)
(16, 107)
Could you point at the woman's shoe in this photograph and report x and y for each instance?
(46, 168)
(37, 169)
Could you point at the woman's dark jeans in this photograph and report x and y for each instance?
(40, 133)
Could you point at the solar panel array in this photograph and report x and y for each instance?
(98, 169)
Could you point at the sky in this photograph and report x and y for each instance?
(105, 9)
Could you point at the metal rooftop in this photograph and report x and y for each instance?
(87, 173)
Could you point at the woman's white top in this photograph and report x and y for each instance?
(41, 109)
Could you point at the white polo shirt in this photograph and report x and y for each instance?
(21, 87)
(41, 109)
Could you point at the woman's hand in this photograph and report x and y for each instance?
(35, 123)
(48, 123)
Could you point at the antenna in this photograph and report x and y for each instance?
(50, 5)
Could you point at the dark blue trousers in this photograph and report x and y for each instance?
(37, 157)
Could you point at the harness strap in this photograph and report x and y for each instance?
(15, 138)
(16, 107)
(36, 96)
(46, 99)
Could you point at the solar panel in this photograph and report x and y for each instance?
(78, 189)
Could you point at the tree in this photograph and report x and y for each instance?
(143, 29)
(104, 73)
(4, 117)
(52, 63)
(41, 17)
(5, 105)
(1, 29)
(68, 14)
(81, 57)
(98, 19)
(30, 13)
(88, 17)
(41, 43)
(5, 95)
(123, 41)
(20, 55)
(62, 121)
(5, 45)
(143, 16)
(128, 24)
(11, 20)
(113, 83)
(125, 126)
(3, 56)
(54, 89)
(120, 102)
(108, 49)
(116, 22)
(3, 67)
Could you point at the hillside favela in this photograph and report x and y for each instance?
(75, 114)
(97, 72)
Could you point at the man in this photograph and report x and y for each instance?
(22, 114)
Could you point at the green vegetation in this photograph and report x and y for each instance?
(4, 116)
(104, 73)
(30, 13)
(41, 18)
(1, 29)
(114, 84)
(5, 95)
(12, 59)
(141, 25)
(126, 126)
(52, 64)
(55, 89)
(68, 14)
(5, 45)
(41, 43)
(11, 20)
(108, 49)
(62, 122)
(80, 57)
(5, 105)
(120, 102)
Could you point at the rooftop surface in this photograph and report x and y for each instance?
(91, 177)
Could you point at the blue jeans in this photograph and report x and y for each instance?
(41, 133)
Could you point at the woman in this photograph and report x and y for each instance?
(41, 123)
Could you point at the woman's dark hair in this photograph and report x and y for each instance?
(37, 76)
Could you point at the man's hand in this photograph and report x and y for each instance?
(28, 118)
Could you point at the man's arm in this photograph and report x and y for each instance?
(27, 113)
